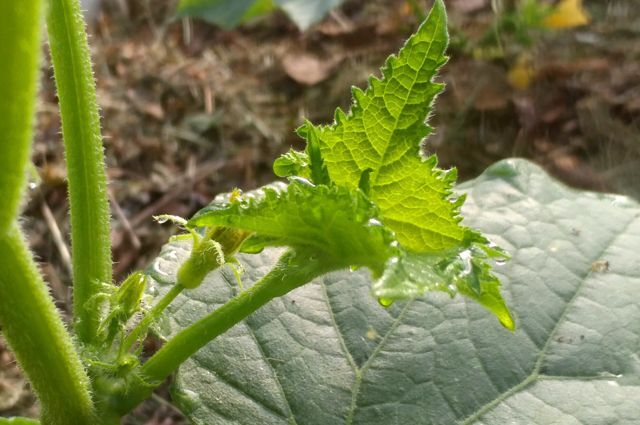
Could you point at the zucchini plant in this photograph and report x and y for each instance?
(326, 298)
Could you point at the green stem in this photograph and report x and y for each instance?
(293, 270)
(29, 319)
(85, 160)
(35, 332)
(152, 315)
(18, 421)
(203, 260)
(20, 24)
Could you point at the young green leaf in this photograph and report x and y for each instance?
(376, 148)
(382, 133)
(340, 225)
(123, 304)
(461, 270)
(215, 249)
(317, 169)
(292, 163)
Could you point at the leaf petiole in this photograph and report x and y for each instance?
(89, 205)
(293, 269)
(139, 332)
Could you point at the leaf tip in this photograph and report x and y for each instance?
(385, 302)
(506, 320)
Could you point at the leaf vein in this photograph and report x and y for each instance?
(276, 378)
(415, 78)
(343, 344)
(365, 367)
(535, 373)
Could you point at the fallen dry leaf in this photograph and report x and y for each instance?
(308, 69)
(480, 85)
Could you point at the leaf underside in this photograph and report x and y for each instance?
(231, 13)
(327, 353)
(334, 222)
(225, 13)
(307, 12)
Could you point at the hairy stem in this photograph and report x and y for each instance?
(292, 270)
(37, 336)
(20, 24)
(204, 258)
(91, 246)
(29, 319)
(152, 315)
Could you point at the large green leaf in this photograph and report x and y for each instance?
(327, 353)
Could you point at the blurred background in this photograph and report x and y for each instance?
(199, 97)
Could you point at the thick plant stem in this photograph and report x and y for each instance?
(35, 332)
(30, 322)
(91, 246)
(293, 270)
(20, 26)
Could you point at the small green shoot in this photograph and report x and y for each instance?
(362, 194)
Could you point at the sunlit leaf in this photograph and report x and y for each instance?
(376, 147)
(337, 224)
